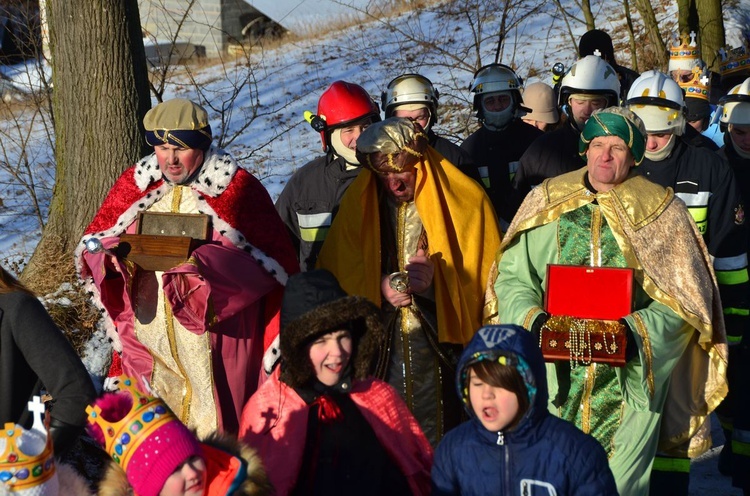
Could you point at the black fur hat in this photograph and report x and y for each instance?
(314, 304)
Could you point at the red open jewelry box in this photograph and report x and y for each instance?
(584, 292)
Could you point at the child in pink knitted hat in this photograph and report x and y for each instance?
(154, 454)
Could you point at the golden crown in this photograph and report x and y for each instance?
(734, 60)
(26, 456)
(684, 52)
(122, 438)
(697, 84)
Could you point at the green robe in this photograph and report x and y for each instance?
(622, 407)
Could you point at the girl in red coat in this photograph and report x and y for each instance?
(320, 424)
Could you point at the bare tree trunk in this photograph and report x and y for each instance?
(652, 30)
(631, 36)
(687, 16)
(586, 8)
(100, 96)
(711, 31)
(704, 17)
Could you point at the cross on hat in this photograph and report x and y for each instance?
(37, 409)
(704, 80)
(693, 34)
(597, 53)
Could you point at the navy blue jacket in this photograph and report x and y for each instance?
(542, 455)
(496, 156)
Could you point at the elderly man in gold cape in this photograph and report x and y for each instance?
(676, 372)
(418, 238)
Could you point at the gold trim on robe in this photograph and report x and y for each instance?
(462, 228)
(182, 373)
(643, 220)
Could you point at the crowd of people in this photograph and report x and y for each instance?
(556, 306)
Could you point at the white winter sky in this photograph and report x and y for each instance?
(289, 80)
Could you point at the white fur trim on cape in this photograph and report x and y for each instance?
(271, 356)
(111, 384)
(217, 172)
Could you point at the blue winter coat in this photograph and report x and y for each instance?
(542, 455)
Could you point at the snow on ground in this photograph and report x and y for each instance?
(292, 78)
(262, 124)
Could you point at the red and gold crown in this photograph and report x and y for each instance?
(684, 52)
(27, 460)
(146, 415)
(734, 60)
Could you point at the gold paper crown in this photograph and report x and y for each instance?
(122, 438)
(20, 470)
(698, 85)
(734, 60)
(684, 52)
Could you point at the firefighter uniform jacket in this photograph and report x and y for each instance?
(551, 155)
(735, 411)
(496, 155)
(455, 155)
(708, 187)
(309, 202)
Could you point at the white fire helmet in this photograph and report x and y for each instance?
(659, 101)
(735, 105)
(410, 91)
(590, 75)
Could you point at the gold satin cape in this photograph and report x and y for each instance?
(462, 232)
(661, 242)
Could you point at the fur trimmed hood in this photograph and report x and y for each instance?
(256, 483)
(314, 304)
(69, 481)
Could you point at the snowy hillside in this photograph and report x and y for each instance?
(262, 122)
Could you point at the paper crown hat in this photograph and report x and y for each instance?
(27, 461)
(684, 52)
(697, 84)
(734, 61)
(142, 436)
(123, 437)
